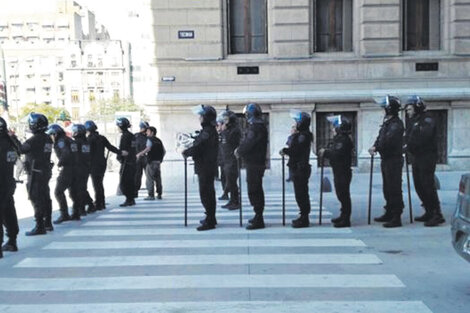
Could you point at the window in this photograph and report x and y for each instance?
(247, 26)
(421, 29)
(75, 97)
(75, 113)
(325, 136)
(333, 25)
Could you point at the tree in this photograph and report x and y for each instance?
(105, 110)
(52, 113)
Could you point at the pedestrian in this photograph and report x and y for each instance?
(66, 151)
(204, 153)
(253, 151)
(340, 155)
(127, 152)
(389, 144)
(8, 155)
(299, 165)
(141, 163)
(154, 152)
(38, 167)
(230, 140)
(98, 143)
(421, 148)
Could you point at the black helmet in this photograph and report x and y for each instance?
(144, 125)
(252, 112)
(227, 117)
(302, 119)
(391, 104)
(3, 126)
(78, 130)
(340, 123)
(55, 130)
(90, 126)
(417, 103)
(123, 123)
(208, 113)
(37, 122)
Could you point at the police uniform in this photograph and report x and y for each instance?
(230, 140)
(128, 166)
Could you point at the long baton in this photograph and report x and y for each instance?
(185, 191)
(240, 190)
(409, 189)
(283, 192)
(370, 187)
(321, 188)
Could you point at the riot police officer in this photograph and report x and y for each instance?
(127, 152)
(141, 163)
(299, 166)
(98, 161)
(253, 151)
(66, 151)
(340, 155)
(389, 144)
(82, 169)
(37, 150)
(230, 139)
(8, 156)
(204, 153)
(421, 147)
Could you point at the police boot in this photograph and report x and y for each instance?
(256, 222)
(209, 223)
(39, 229)
(386, 217)
(339, 218)
(395, 221)
(82, 211)
(233, 206)
(226, 205)
(91, 208)
(48, 225)
(204, 220)
(64, 217)
(435, 220)
(342, 223)
(223, 197)
(301, 222)
(10, 246)
(75, 216)
(424, 218)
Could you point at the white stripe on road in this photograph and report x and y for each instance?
(229, 259)
(173, 222)
(228, 307)
(139, 215)
(213, 243)
(200, 281)
(193, 232)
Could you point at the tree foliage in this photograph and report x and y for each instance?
(52, 113)
(106, 109)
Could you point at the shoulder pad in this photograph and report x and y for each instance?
(85, 148)
(74, 147)
(48, 148)
(61, 144)
(11, 157)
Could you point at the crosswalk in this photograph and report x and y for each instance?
(143, 259)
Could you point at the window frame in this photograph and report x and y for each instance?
(438, 30)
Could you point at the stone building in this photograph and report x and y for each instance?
(320, 56)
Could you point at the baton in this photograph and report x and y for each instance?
(283, 193)
(240, 190)
(409, 191)
(321, 188)
(185, 191)
(370, 186)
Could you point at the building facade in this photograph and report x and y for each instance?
(320, 56)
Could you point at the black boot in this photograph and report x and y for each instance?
(91, 208)
(223, 197)
(337, 219)
(395, 221)
(209, 223)
(342, 223)
(64, 217)
(424, 218)
(75, 216)
(82, 211)
(48, 225)
(386, 217)
(226, 205)
(256, 223)
(39, 229)
(301, 222)
(10, 246)
(233, 206)
(435, 220)
(204, 220)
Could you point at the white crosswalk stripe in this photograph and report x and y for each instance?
(143, 259)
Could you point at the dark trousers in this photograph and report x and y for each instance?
(300, 179)
(127, 180)
(254, 181)
(39, 194)
(8, 217)
(392, 180)
(423, 177)
(231, 186)
(65, 181)
(97, 176)
(207, 194)
(154, 177)
(140, 166)
(79, 188)
(342, 181)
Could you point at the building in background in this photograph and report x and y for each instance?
(320, 56)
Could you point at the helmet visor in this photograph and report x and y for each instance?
(296, 115)
(198, 109)
(382, 101)
(335, 120)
